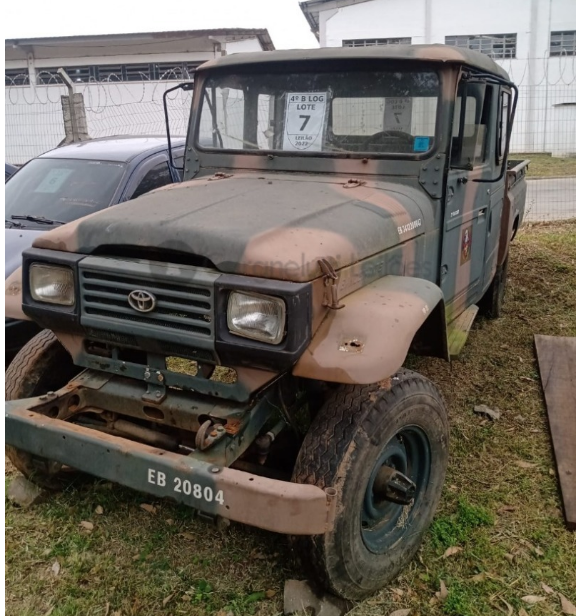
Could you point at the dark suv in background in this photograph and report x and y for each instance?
(74, 181)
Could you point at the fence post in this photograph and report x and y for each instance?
(73, 113)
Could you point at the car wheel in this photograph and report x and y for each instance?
(384, 449)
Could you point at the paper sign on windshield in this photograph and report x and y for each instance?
(398, 114)
(304, 121)
(53, 180)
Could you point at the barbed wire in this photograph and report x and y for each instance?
(545, 120)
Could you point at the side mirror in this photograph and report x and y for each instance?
(187, 86)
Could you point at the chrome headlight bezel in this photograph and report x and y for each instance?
(63, 285)
(273, 312)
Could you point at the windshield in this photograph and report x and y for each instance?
(60, 190)
(356, 111)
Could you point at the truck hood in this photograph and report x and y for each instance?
(15, 242)
(270, 226)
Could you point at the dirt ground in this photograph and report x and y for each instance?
(501, 509)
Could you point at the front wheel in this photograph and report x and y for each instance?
(385, 451)
(42, 365)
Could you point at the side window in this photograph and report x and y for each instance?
(470, 125)
(155, 178)
(222, 118)
(504, 113)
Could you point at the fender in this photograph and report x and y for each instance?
(13, 297)
(368, 340)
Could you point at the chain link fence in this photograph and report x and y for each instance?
(544, 130)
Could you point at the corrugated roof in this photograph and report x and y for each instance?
(262, 34)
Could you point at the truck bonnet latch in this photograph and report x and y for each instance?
(330, 285)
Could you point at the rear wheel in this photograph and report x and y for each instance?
(385, 451)
(42, 365)
(491, 305)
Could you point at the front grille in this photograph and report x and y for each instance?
(183, 314)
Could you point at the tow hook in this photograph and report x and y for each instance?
(394, 486)
(330, 285)
(208, 434)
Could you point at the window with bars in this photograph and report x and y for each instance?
(377, 42)
(497, 46)
(167, 71)
(563, 43)
(16, 77)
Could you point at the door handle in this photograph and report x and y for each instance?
(482, 211)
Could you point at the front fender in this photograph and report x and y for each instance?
(368, 340)
(13, 296)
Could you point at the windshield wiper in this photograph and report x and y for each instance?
(12, 224)
(39, 219)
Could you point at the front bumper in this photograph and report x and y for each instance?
(274, 505)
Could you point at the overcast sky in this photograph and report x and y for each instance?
(34, 18)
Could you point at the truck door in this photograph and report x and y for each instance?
(467, 202)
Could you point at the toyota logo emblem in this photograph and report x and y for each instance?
(142, 301)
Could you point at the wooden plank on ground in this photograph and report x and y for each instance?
(556, 357)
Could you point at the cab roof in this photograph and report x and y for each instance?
(427, 53)
(114, 149)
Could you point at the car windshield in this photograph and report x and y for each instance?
(357, 111)
(60, 190)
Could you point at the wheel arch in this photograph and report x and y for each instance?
(368, 340)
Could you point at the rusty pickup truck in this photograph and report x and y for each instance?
(237, 342)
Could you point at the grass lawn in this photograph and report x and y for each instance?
(500, 506)
(546, 166)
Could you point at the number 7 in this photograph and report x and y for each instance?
(307, 119)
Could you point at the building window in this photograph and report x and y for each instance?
(377, 42)
(497, 46)
(177, 71)
(16, 77)
(563, 43)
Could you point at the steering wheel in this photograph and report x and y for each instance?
(383, 136)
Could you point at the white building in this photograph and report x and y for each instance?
(121, 76)
(534, 40)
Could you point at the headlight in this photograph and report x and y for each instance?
(52, 284)
(260, 317)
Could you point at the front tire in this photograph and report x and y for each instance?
(42, 365)
(360, 431)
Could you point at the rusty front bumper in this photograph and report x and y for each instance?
(274, 505)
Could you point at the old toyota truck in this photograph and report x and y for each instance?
(237, 342)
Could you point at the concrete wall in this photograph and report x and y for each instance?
(545, 117)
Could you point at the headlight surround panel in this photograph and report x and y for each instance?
(277, 352)
(52, 284)
(47, 314)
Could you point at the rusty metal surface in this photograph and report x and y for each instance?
(270, 504)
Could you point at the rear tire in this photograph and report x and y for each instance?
(491, 304)
(359, 431)
(42, 365)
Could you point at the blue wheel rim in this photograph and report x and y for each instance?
(383, 523)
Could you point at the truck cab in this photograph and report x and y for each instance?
(242, 339)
